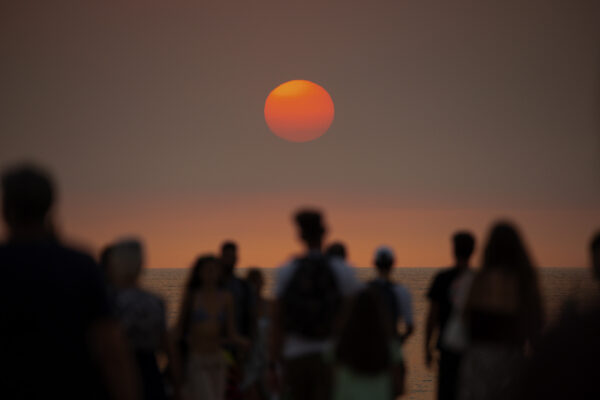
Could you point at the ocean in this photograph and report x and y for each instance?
(556, 285)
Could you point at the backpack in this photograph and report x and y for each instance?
(312, 299)
(389, 300)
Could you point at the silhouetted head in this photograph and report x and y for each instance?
(384, 260)
(125, 262)
(364, 341)
(104, 259)
(27, 197)
(595, 252)
(229, 257)
(256, 279)
(505, 248)
(336, 249)
(206, 272)
(505, 253)
(464, 244)
(310, 227)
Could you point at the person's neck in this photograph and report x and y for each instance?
(125, 285)
(29, 233)
(314, 246)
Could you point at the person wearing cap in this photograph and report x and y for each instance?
(396, 297)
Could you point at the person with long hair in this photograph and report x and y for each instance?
(206, 323)
(368, 361)
(504, 317)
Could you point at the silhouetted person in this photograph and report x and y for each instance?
(244, 310)
(143, 318)
(396, 298)
(595, 255)
(207, 311)
(504, 317)
(104, 258)
(587, 291)
(337, 249)
(255, 368)
(565, 363)
(310, 291)
(441, 297)
(241, 292)
(368, 359)
(58, 336)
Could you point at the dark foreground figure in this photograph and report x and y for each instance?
(441, 295)
(58, 339)
(311, 292)
(565, 364)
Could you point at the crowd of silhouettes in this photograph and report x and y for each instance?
(74, 328)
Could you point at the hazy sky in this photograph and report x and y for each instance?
(448, 115)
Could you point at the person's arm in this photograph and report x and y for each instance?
(407, 313)
(176, 375)
(115, 360)
(431, 328)
(275, 347)
(398, 370)
(178, 336)
(276, 332)
(233, 335)
(398, 379)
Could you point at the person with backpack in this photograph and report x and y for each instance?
(396, 297)
(311, 292)
(368, 362)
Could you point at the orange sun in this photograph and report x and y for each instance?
(299, 111)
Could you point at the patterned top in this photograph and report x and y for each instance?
(143, 316)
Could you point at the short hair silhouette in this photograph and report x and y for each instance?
(384, 259)
(126, 260)
(464, 244)
(27, 194)
(337, 249)
(228, 245)
(104, 259)
(254, 273)
(255, 277)
(310, 224)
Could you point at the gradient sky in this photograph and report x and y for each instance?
(448, 115)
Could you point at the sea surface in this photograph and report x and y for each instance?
(556, 284)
